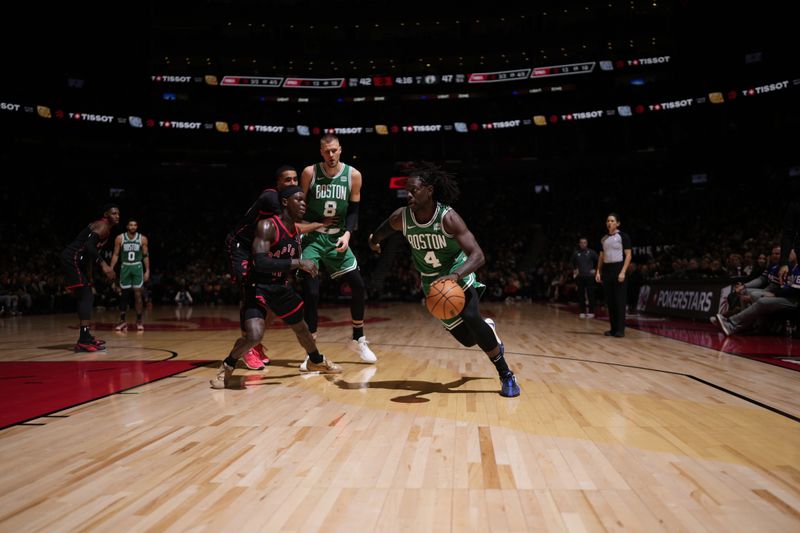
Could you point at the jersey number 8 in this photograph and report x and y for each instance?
(330, 209)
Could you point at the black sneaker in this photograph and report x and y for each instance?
(98, 342)
(88, 347)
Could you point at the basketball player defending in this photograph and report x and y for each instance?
(77, 259)
(442, 247)
(333, 189)
(133, 273)
(276, 250)
(239, 242)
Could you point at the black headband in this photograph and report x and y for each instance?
(289, 191)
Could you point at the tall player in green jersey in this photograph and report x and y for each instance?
(333, 189)
(134, 271)
(442, 247)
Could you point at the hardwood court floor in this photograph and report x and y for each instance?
(638, 434)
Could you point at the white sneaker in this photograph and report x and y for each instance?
(589, 315)
(582, 315)
(361, 347)
(223, 377)
(725, 324)
(304, 364)
(494, 329)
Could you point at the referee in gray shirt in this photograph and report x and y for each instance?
(615, 257)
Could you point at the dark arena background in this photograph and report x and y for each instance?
(681, 117)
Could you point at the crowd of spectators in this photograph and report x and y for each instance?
(528, 236)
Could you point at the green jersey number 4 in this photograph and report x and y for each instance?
(432, 260)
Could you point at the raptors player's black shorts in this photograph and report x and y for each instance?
(238, 258)
(76, 267)
(283, 300)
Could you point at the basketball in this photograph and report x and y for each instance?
(445, 299)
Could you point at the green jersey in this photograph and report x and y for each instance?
(131, 250)
(434, 251)
(328, 197)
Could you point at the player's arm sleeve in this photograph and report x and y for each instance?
(351, 219)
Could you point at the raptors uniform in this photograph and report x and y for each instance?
(131, 272)
(271, 290)
(76, 260)
(328, 197)
(436, 253)
(239, 241)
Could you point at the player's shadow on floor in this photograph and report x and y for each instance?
(255, 379)
(421, 387)
(63, 347)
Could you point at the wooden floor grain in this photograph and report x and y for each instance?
(637, 434)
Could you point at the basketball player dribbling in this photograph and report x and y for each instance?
(442, 247)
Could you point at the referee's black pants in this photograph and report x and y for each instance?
(616, 295)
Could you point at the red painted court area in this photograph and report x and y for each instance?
(34, 389)
(772, 349)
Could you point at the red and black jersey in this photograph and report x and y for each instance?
(78, 246)
(78, 256)
(285, 245)
(267, 205)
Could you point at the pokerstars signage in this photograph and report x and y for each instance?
(689, 299)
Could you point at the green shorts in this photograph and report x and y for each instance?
(321, 248)
(466, 282)
(131, 275)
